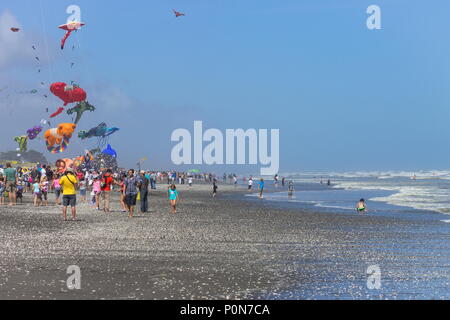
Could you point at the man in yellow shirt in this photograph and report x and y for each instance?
(68, 184)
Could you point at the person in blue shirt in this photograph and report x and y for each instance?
(173, 198)
(261, 188)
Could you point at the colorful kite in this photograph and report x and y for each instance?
(69, 27)
(14, 29)
(79, 109)
(110, 151)
(22, 141)
(68, 93)
(100, 131)
(34, 132)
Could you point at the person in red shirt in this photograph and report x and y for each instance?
(106, 183)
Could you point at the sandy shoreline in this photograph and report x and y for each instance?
(218, 249)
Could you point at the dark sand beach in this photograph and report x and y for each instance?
(223, 248)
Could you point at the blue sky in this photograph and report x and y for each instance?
(343, 97)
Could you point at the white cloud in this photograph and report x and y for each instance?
(14, 46)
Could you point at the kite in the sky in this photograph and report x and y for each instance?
(22, 141)
(57, 113)
(79, 109)
(69, 27)
(34, 132)
(178, 14)
(100, 131)
(68, 93)
(14, 29)
(110, 151)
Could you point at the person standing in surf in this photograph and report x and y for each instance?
(361, 206)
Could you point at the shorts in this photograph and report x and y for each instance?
(69, 200)
(38, 195)
(44, 195)
(82, 192)
(130, 199)
(11, 186)
(249, 187)
(57, 193)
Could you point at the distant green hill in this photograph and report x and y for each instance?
(29, 156)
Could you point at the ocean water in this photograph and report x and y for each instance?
(386, 193)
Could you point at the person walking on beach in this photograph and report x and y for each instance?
(261, 188)
(215, 187)
(250, 184)
(291, 189)
(143, 190)
(107, 181)
(173, 198)
(97, 189)
(44, 190)
(131, 191)
(361, 206)
(68, 183)
(10, 176)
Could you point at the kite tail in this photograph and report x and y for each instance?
(60, 148)
(63, 40)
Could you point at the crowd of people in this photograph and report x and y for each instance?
(95, 186)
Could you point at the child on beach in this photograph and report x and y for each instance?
(97, 189)
(291, 189)
(44, 189)
(19, 192)
(361, 206)
(261, 188)
(82, 186)
(173, 198)
(37, 194)
(57, 188)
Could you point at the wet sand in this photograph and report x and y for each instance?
(222, 248)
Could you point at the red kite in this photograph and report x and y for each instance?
(69, 27)
(58, 112)
(177, 13)
(15, 29)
